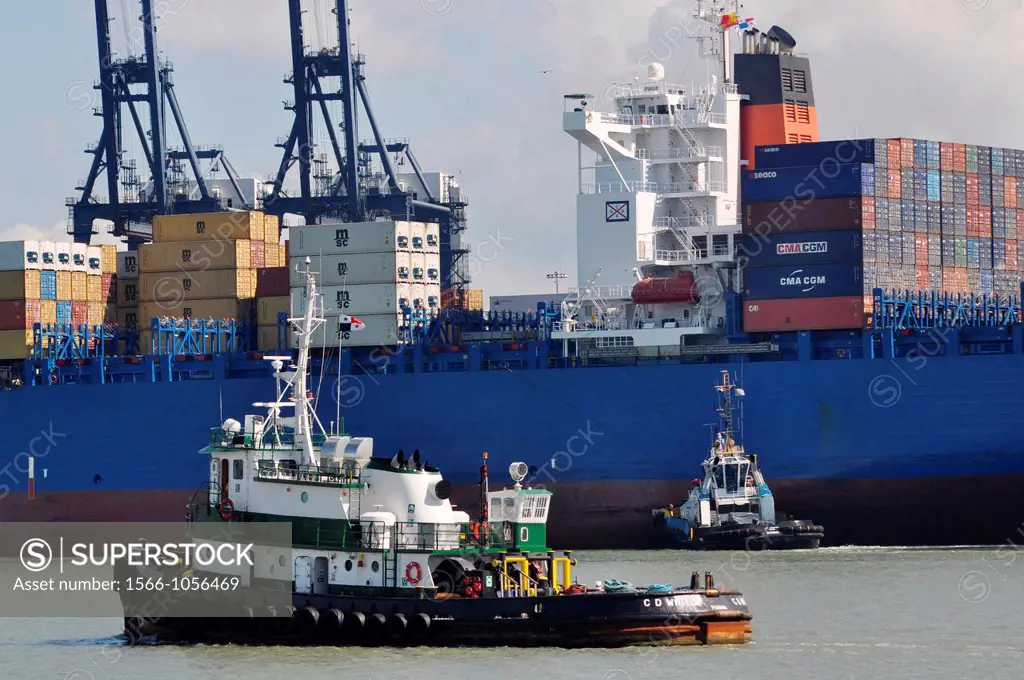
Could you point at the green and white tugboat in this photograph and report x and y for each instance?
(380, 556)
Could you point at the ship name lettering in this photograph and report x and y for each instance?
(657, 602)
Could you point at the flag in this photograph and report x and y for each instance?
(745, 24)
(729, 20)
(352, 322)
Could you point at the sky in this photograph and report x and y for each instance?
(461, 79)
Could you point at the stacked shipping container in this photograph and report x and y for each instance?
(371, 270)
(271, 300)
(929, 215)
(203, 266)
(471, 299)
(49, 283)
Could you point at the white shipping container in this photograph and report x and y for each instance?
(94, 260)
(63, 250)
(128, 264)
(433, 239)
(20, 255)
(358, 268)
(48, 254)
(347, 237)
(381, 329)
(79, 256)
(370, 298)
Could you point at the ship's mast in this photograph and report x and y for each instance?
(304, 328)
(718, 44)
(725, 393)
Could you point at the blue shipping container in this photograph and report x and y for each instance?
(48, 285)
(813, 153)
(64, 312)
(806, 281)
(803, 183)
(819, 247)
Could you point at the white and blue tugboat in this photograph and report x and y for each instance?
(732, 508)
(380, 556)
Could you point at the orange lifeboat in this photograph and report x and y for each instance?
(678, 288)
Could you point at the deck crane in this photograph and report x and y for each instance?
(130, 204)
(351, 192)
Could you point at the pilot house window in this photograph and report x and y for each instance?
(238, 468)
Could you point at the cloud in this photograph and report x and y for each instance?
(57, 232)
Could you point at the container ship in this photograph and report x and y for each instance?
(867, 291)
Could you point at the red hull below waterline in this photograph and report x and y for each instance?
(617, 515)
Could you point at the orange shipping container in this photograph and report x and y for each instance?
(108, 259)
(79, 282)
(207, 285)
(47, 311)
(194, 256)
(271, 229)
(218, 226)
(94, 288)
(196, 309)
(96, 313)
(271, 256)
(21, 285)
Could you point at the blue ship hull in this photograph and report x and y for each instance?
(877, 451)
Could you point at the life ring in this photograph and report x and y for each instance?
(53, 378)
(413, 573)
(474, 528)
(227, 508)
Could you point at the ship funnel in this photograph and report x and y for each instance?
(784, 41)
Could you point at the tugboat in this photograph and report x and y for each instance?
(380, 556)
(732, 508)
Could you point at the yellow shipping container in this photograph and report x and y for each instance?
(269, 255)
(194, 256)
(127, 293)
(207, 285)
(95, 313)
(94, 288)
(272, 229)
(47, 311)
(108, 260)
(266, 338)
(15, 344)
(63, 285)
(79, 286)
(196, 309)
(19, 285)
(127, 316)
(267, 309)
(219, 226)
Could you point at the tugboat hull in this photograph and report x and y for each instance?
(787, 535)
(585, 620)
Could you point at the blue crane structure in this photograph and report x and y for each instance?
(126, 205)
(353, 193)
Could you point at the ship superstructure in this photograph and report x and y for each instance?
(657, 227)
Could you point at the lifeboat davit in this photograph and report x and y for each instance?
(678, 288)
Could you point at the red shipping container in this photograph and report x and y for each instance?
(79, 312)
(272, 282)
(808, 314)
(822, 214)
(922, 277)
(13, 315)
(1011, 256)
(259, 252)
(108, 286)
